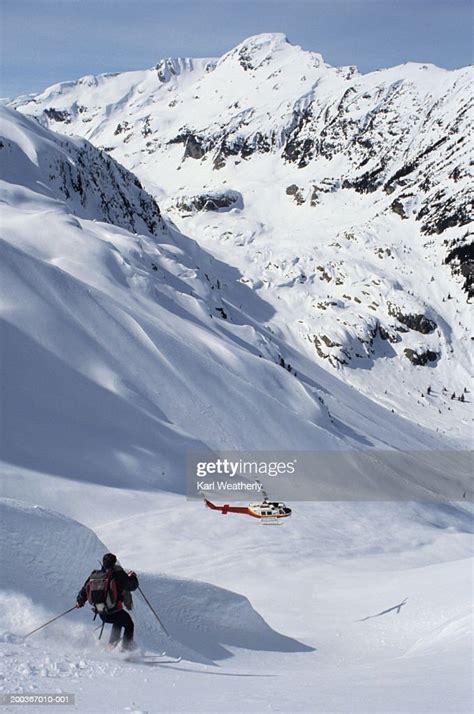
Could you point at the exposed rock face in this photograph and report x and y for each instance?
(461, 259)
(237, 147)
(421, 358)
(398, 207)
(443, 211)
(354, 347)
(92, 183)
(122, 127)
(417, 322)
(389, 335)
(194, 146)
(325, 349)
(100, 181)
(311, 193)
(296, 193)
(172, 67)
(212, 201)
(58, 116)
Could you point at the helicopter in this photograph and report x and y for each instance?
(265, 510)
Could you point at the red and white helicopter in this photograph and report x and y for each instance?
(266, 510)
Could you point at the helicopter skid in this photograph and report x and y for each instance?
(271, 521)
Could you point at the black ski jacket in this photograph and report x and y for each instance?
(124, 582)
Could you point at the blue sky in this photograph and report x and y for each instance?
(45, 41)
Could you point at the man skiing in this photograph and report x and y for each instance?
(107, 590)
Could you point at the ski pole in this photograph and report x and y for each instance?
(101, 629)
(153, 611)
(49, 622)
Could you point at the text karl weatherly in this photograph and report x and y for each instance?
(228, 486)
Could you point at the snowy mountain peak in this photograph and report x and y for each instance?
(258, 46)
(267, 50)
(343, 198)
(174, 66)
(268, 40)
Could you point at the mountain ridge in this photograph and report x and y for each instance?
(367, 243)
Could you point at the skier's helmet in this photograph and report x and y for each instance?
(109, 560)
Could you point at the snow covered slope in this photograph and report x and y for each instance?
(90, 184)
(343, 199)
(116, 346)
(110, 340)
(45, 558)
(379, 594)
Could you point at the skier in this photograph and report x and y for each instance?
(108, 590)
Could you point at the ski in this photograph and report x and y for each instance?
(153, 659)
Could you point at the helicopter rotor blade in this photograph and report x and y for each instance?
(262, 490)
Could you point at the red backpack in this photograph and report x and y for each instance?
(102, 592)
